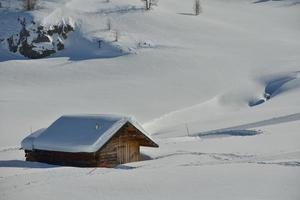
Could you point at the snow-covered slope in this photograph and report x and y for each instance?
(229, 75)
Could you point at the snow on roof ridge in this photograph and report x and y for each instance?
(97, 115)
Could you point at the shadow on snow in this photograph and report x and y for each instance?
(277, 85)
(291, 3)
(230, 133)
(242, 130)
(24, 164)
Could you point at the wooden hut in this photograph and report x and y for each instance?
(88, 141)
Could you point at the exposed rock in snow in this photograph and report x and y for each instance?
(36, 41)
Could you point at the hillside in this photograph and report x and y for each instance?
(219, 92)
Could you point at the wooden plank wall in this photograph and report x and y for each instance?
(123, 147)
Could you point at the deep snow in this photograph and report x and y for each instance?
(197, 79)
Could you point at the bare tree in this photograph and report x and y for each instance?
(108, 24)
(197, 7)
(29, 4)
(187, 129)
(150, 3)
(116, 35)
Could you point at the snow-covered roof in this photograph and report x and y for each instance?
(78, 133)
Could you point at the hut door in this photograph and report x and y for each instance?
(128, 152)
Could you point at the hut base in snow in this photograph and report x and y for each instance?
(123, 147)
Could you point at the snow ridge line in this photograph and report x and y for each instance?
(6, 149)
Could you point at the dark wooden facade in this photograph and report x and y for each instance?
(123, 147)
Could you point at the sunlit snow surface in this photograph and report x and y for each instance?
(190, 80)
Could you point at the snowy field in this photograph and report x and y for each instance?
(219, 93)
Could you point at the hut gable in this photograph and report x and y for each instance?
(89, 140)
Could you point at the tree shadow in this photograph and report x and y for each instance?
(121, 10)
(243, 130)
(261, 1)
(289, 3)
(125, 167)
(24, 164)
(230, 133)
(189, 14)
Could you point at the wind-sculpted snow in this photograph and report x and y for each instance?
(277, 85)
(189, 120)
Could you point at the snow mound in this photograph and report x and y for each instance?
(79, 47)
(275, 85)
